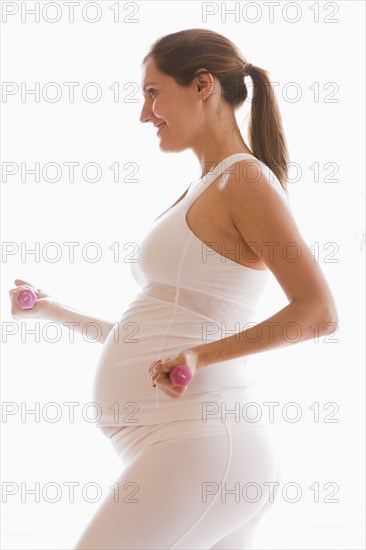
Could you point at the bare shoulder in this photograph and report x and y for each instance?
(263, 217)
(253, 202)
(254, 175)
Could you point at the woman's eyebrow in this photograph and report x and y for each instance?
(148, 84)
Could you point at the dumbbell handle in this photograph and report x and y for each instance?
(26, 298)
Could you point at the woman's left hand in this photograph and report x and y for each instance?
(159, 372)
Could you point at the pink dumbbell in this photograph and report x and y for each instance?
(26, 298)
(180, 375)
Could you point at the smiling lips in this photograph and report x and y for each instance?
(160, 126)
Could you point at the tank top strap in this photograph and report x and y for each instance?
(198, 186)
(204, 182)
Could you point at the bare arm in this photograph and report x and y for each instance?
(265, 222)
(46, 307)
(294, 323)
(78, 321)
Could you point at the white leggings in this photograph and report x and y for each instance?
(187, 485)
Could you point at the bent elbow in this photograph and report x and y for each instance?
(329, 316)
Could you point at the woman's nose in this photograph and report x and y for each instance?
(146, 114)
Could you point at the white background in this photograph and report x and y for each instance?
(322, 62)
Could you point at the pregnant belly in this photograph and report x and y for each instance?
(109, 431)
(152, 329)
(149, 329)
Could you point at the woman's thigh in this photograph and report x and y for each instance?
(242, 538)
(187, 493)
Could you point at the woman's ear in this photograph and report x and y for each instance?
(205, 80)
(200, 80)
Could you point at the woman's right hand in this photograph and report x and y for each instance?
(41, 308)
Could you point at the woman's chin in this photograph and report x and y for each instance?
(166, 145)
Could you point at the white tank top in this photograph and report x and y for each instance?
(190, 295)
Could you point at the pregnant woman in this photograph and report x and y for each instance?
(202, 467)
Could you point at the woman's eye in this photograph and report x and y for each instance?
(151, 91)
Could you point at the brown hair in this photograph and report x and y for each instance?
(182, 53)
